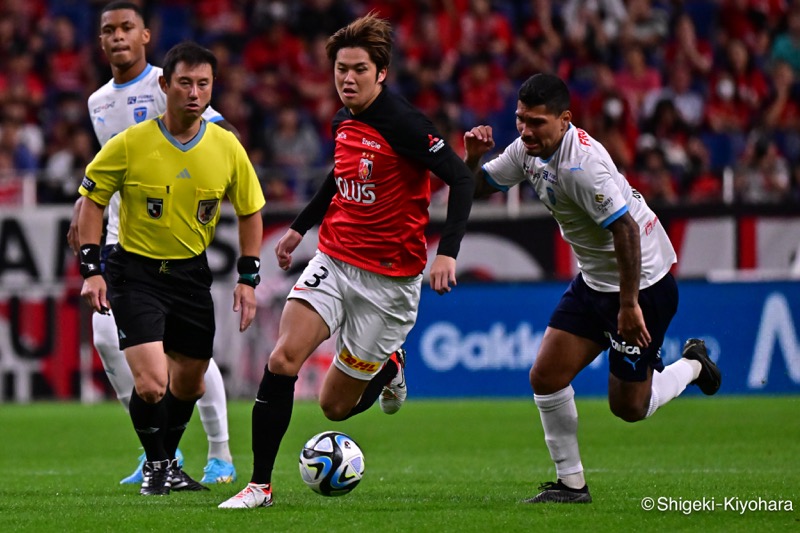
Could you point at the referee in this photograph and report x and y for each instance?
(173, 173)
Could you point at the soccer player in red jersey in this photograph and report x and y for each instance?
(366, 277)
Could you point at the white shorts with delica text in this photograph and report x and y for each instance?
(372, 312)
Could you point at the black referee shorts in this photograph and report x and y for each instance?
(155, 300)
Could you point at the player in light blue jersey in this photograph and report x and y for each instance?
(130, 97)
(624, 296)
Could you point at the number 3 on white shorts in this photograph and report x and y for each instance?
(316, 278)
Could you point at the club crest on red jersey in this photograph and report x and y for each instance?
(365, 169)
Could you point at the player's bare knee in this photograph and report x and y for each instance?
(334, 411)
(545, 382)
(151, 394)
(627, 412)
(150, 388)
(280, 362)
(189, 392)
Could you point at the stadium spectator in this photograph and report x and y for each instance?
(624, 297)
(484, 31)
(366, 277)
(752, 87)
(67, 60)
(29, 133)
(685, 47)
(700, 184)
(11, 140)
(689, 103)
(279, 47)
(537, 43)
(64, 168)
(21, 83)
(646, 25)
(274, 48)
(786, 46)
(762, 174)
(293, 152)
(606, 112)
(597, 23)
(667, 131)
(726, 111)
(636, 78)
(313, 85)
(483, 87)
(158, 275)
(653, 177)
(781, 117)
(314, 18)
(741, 19)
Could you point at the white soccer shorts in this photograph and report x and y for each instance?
(372, 312)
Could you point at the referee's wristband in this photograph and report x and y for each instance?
(90, 260)
(248, 267)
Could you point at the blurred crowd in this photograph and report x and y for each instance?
(697, 101)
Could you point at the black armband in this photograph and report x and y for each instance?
(248, 267)
(90, 260)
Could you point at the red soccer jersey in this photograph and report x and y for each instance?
(377, 216)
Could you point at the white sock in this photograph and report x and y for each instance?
(213, 409)
(560, 423)
(106, 342)
(669, 383)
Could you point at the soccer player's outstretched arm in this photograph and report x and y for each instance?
(477, 143)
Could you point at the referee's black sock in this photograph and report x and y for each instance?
(272, 413)
(150, 422)
(179, 412)
(374, 388)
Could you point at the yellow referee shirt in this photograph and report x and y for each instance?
(171, 192)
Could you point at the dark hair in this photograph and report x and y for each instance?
(369, 32)
(190, 53)
(116, 6)
(547, 90)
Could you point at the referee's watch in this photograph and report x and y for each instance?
(249, 279)
(248, 268)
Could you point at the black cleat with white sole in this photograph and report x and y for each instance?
(557, 492)
(155, 478)
(710, 377)
(180, 480)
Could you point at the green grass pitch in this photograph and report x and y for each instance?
(436, 466)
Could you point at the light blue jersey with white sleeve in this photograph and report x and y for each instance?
(585, 193)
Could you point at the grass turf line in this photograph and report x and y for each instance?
(435, 466)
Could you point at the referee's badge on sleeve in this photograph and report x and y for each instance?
(88, 184)
(206, 210)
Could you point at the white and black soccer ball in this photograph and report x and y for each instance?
(331, 463)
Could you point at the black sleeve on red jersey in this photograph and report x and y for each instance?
(314, 212)
(412, 135)
(457, 175)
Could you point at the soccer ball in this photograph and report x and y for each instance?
(331, 463)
